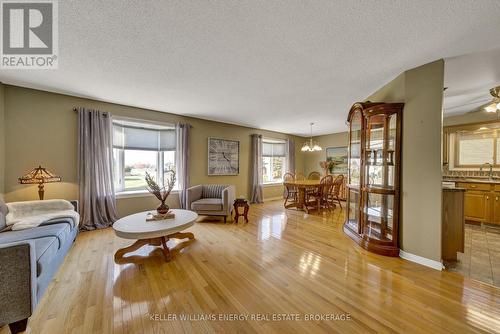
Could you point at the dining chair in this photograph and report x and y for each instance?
(290, 191)
(333, 196)
(314, 176)
(320, 197)
(299, 176)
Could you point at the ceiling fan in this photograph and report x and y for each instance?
(494, 105)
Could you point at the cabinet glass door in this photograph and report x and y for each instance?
(380, 148)
(353, 199)
(378, 216)
(355, 150)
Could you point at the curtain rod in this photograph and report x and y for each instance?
(75, 109)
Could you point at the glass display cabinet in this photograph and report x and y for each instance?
(373, 190)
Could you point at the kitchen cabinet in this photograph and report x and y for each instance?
(453, 224)
(495, 219)
(482, 202)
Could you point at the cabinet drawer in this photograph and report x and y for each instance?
(475, 186)
(497, 187)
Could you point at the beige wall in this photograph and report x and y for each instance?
(42, 129)
(2, 139)
(312, 159)
(473, 117)
(421, 89)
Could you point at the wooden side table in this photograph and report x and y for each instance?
(240, 203)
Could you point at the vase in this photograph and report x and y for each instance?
(162, 209)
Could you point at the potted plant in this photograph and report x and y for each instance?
(161, 192)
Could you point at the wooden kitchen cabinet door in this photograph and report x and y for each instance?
(495, 219)
(477, 206)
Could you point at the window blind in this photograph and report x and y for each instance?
(138, 138)
(273, 149)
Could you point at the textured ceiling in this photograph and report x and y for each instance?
(275, 65)
(469, 79)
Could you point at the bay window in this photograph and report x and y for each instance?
(273, 160)
(140, 148)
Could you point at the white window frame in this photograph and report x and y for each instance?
(280, 181)
(120, 191)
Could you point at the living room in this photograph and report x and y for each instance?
(238, 167)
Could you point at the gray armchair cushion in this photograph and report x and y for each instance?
(207, 204)
(213, 190)
(4, 210)
(193, 194)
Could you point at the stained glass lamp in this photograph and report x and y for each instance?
(39, 176)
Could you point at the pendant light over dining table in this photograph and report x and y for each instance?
(311, 145)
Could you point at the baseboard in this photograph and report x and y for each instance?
(273, 198)
(421, 260)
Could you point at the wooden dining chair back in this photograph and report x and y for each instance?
(314, 176)
(291, 191)
(335, 192)
(320, 196)
(299, 177)
(326, 184)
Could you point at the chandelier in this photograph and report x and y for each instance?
(311, 145)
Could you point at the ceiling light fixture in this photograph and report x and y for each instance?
(491, 108)
(494, 106)
(311, 145)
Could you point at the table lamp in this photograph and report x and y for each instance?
(39, 176)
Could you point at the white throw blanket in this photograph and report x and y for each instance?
(29, 214)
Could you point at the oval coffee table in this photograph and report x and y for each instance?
(155, 233)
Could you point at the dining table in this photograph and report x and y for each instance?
(302, 187)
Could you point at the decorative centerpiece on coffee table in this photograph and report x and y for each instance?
(161, 192)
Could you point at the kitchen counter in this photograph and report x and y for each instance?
(471, 180)
(453, 189)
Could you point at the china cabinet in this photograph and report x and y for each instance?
(373, 189)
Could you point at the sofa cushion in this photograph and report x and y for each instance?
(60, 230)
(212, 190)
(45, 250)
(207, 204)
(4, 210)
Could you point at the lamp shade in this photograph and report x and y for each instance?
(39, 175)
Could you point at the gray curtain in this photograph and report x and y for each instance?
(290, 156)
(182, 160)
(95, 169)
(256, 170)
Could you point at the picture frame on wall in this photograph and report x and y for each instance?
(339, 156)
(223, 157)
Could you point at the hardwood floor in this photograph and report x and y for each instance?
(281, 262)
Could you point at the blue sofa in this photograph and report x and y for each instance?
(28, 261)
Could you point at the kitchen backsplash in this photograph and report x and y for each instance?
(468, 173)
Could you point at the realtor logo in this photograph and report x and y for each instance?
(29, 35)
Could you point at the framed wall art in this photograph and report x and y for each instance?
(223, 156)
(339, 156)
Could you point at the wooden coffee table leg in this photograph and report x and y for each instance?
(161, 242)
(182, 235)
(165, 250)
(135, 246)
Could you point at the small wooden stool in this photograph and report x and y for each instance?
(240, 203)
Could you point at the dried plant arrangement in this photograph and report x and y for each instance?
(161, 192)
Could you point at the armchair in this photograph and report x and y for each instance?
(211, 199)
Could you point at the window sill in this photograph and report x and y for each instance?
(137, 193)
(272, 184)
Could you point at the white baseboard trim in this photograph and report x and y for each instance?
(273, 198)
(421, 260)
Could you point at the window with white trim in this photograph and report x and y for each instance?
(273, 160)
(140, 147)
(475, 148)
